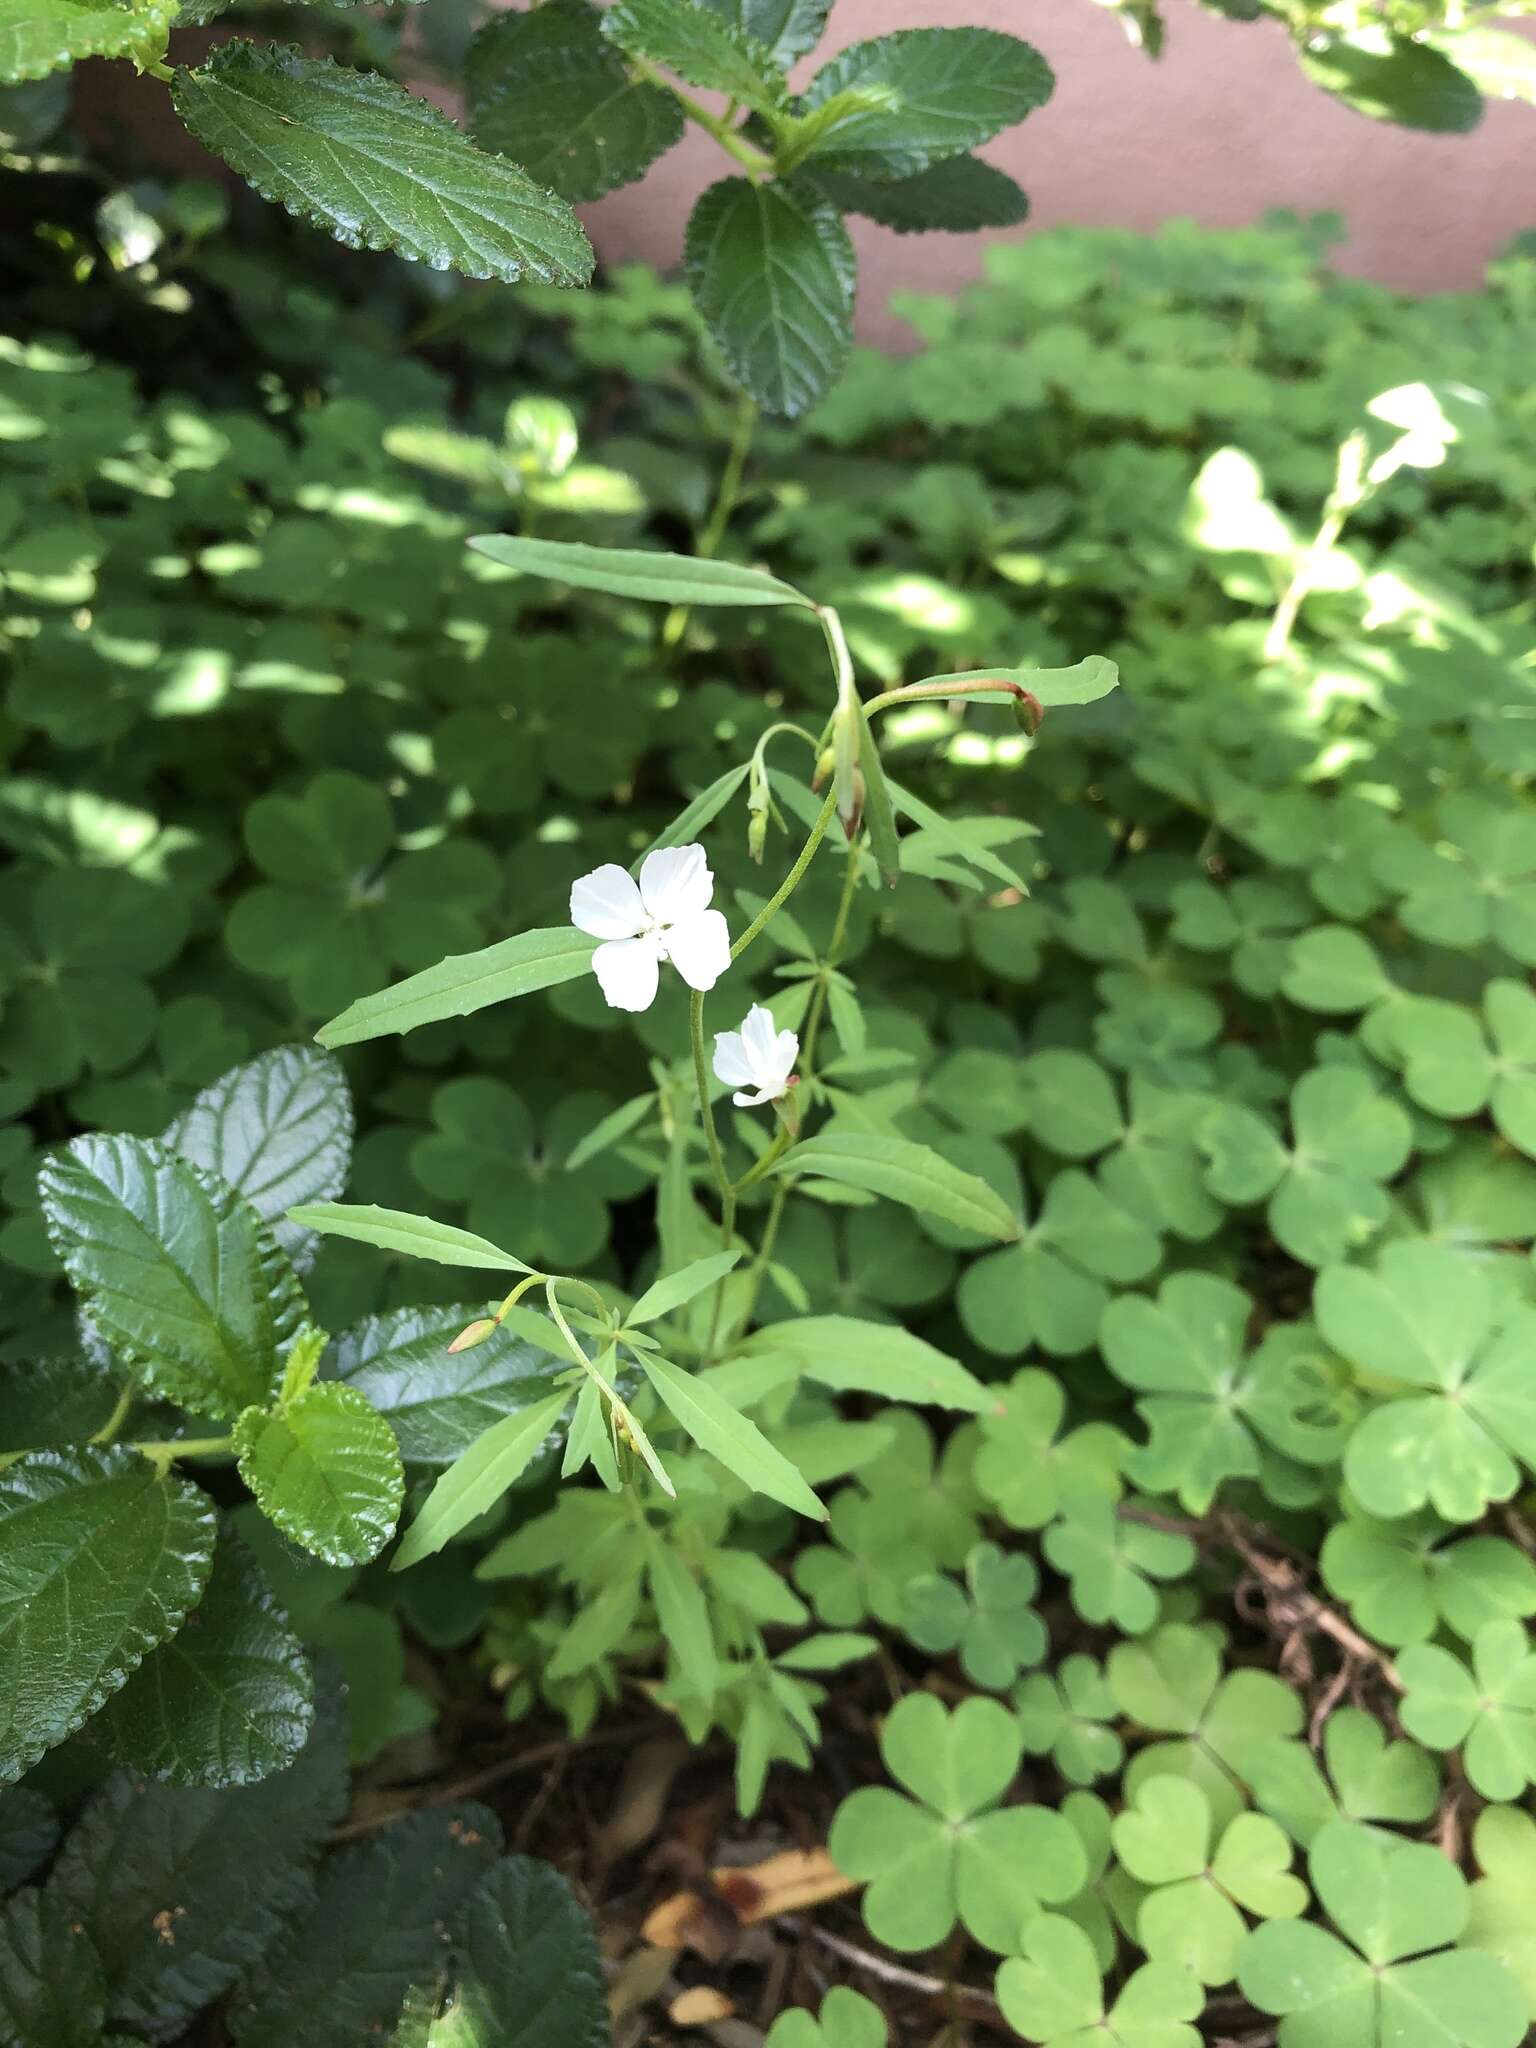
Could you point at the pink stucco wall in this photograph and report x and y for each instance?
(1221, 128)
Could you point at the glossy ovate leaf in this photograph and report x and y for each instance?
(100, 1561)
(278, 1130)
(357, 155)
(41, 36)
(703, 46)
(959, 194)
(228, 1700)
(176, 1270)
(326, 1470)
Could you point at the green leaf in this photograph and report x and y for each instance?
(1084, 683)
(848, 2020)
(228, 1867)
(326, 1470)
(725, 1433)
(40, 36)
(355, 154)
(278, 1130)
(638, 572)
(228, 1700)
(464, 983)
(29, 1834)
(701, 45)
(906, 1172)
(1393, 1900)
(100, 1561)
(772, 271)
(673, 1289)
(959, 195)
(376, 1924)
(175, 1269)
(1498, 63)
(479, 1477)
(787, 29)
(51, 1984)
(529, 1974)
(879, 817)
(438, 1401)
(52, 1401)
(954, 87)
(1501, 1921)
(546, 89)
(873, 1358)
(1392, 78)
(417, 1237)
(683, 1615)
(1489, 1711)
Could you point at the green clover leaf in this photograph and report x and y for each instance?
(1453, 1070)
(1054, 1993)
(1064, 1714)
(1027, 1469)
(1428, 1319)
(1404, 1579)
(1476, 884)
(1369, 1777)
(951, 1851)
(1253, 920)
(1049, 1289)
(1391, 1981)
(1110, 1561)
(1489, 1711)
(1501, 1917)
(991, 1622)
(847, 2020)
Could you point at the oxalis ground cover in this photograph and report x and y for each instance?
(1143, 1293)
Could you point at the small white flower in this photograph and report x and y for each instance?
(665, 916)
(757, 1057)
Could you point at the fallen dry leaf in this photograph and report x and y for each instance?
(784, 1883)
(693, 1920)
(696, 2008)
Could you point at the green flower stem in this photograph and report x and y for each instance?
(117, 1418)
(164, 1455)
(833, 955)
(706, 1107)
(916, 693)
(720, 515)
(776, 1151)
(759, 1265)
(754, 161)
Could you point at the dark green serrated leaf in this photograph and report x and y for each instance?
(958, 195)
(1391, 78)
(953, 87)
(701, 45)
(29, 1833)
(228, 1700)
(52, 1993)
(53, 1401)
(184, 1889)
(530, 1975)
(772, 271)
(548, 89)
(40, 36)
(175, 1269)
(376, 1926)
(436, 1401)
(326, 1470)
(357, 155)
(100, 1561)
(785, 28)
(279, 1131)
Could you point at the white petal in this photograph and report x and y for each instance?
(676, 883)
(756, 1101)
(607, 904)
(760, 1038)
(731, 1063)
(628, 970)
(700, 948)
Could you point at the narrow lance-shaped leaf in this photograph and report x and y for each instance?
(715, 1426)
(703, 810)
(906, 1172)
(464, 983)
(673, 1289)
(637, 572)
(478, 1479)
(396, 1230)
(1084, 683)
(357, 155)
(879, 817)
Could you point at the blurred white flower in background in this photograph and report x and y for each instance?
(663, 916)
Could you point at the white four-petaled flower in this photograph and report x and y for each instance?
(665, 916)
(757, 1057)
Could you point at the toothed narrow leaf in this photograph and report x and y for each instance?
(479, 1477)
(906, 1172)
(730, 1436)
(464, 983)
(637, 572)
(417, 1237)
(357, 155)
